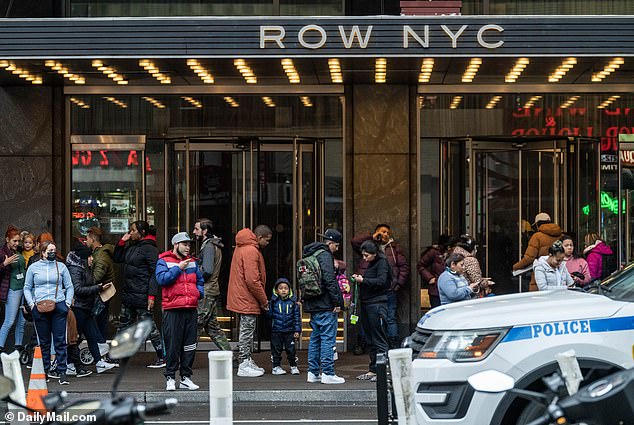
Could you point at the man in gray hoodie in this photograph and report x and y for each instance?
(209, 261)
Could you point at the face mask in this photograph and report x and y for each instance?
(50, 256)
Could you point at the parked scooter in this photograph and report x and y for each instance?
(608, 401)
(116, 410)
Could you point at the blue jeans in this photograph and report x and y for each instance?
(392, 329)
(322, 340)
(12, 309)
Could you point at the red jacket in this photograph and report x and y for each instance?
(430, 266)
(180, 288)
(247, 277)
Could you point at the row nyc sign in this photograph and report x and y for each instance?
(315, 36)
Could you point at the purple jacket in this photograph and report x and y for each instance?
(395, 256)
(593, 257)
(431, 265)
(5, 273)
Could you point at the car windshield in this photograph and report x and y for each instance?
(620, 285)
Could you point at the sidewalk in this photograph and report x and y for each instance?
(149, 384)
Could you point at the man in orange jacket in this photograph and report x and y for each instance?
(246, 294)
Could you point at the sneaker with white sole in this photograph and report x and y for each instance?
(255, 366)
(170, 384)
(332, 379)
(158, 363)
(277, 370)
(187, 384)
(245, 370)
(294, 370)
(103, 366)
(70, 369)
(312, 378)
(81, 372)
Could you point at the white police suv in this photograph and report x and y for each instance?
(519, 335)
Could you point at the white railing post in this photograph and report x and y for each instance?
(12, 370)
(401, 370)
(220, 387)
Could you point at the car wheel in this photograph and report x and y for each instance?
(531, 412)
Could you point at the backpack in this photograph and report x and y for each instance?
(309, 276)
(608, 265)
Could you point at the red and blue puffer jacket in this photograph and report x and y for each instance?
(180, 288)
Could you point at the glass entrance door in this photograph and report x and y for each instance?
(245, 182)
(506, 183)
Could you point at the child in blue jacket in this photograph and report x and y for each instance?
(286, 326)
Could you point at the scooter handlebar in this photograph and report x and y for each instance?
(152, 409)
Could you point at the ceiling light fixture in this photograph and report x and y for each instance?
(20, 72)
(153, 70)
(531, 102)
(426, 69)
(154, 102)
(612, 66)
(335, 71)
(607, 102)
(231, 101)
(116, 102)
(202, 72)
(569, 102)
(494, 101)
(268, 101)
(380, 70)
(79, 103)
(192, 101)
(472, 70)
(562, 70)
(516, 71)
(455, 102)
(291, 72)
(247, 73)
(306, 101)
(109, 72)
(65, 72)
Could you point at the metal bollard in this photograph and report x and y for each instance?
(220, 387)
(382, 403)
(401, 370)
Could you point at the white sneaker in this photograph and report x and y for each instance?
(245, 370)
(312, 378)
(170, 384)
(332, 379)
(103, 348)
(70, 369)
(254, 366)
(103, 366)
(277, 370)
(187, 384)
(294, 370)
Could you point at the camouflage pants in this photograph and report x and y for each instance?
(208, 322)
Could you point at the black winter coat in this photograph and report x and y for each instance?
(331, 294)
(86, 289)
(139, 263)
(377, 280)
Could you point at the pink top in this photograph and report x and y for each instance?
(576, 264)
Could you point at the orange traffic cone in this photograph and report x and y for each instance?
(37, 384)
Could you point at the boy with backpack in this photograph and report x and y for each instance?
(286, 326)
(321, 297)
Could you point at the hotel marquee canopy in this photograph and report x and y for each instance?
(279, 37)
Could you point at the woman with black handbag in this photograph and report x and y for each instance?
(48, 290)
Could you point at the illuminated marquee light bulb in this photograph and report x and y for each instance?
(612, 66)
(192, 101)
(154, 71)
(380, 70)
(116, 101)
(494, 101)
(231, 101)
(455, 102)
(291, 72)
(80, 103)
(569, 102)
(562, 70)
(306, 101)
(426, 69)
(20, 72)
(335, 71)
(268, 101)
(531, 102)
(246, 72)
(204, 74)
(516, 71)
(109, 72)
(472, 70)
(156, 103)
(608, 101)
